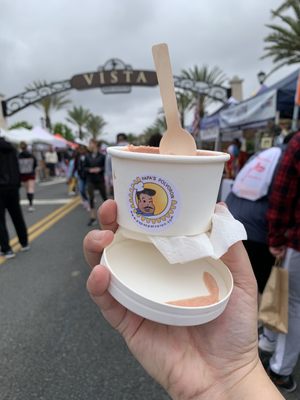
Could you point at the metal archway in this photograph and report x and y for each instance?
(113, 77)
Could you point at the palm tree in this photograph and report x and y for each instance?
(283, 43)
(200, 101)
(49, 103)
(159, 126)
(79, 116)
(184, 103)
(21, 124)
(94, 125)
(64, 130)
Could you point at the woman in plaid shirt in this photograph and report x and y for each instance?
(284, 240)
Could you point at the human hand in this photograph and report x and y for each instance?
(217, 360)
(94, 170)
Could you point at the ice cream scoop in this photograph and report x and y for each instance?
(175, 140)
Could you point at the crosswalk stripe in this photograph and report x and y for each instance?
(46, 202)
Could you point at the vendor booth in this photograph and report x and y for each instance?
(268, 106)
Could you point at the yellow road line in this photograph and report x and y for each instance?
(41, 226)
(44, 220)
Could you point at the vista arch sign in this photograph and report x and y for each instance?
(113, 77)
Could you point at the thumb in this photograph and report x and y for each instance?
(238, 262)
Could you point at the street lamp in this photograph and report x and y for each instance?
(261, 77)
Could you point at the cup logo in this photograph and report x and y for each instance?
(153, 202)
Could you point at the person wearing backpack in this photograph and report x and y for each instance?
(27, 166)
(248, 203)
(10, 199)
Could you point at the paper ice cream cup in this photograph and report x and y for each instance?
(166, 195)
(144, 282)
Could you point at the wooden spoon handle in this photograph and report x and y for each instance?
(163, 67)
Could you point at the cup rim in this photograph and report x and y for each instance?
(209, 156)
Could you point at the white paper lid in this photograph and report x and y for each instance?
(143, 281)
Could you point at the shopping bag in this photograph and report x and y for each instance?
(254, 179)
(273, 310)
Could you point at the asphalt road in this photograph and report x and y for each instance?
(54, 344)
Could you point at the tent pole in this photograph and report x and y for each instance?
(295, 118)
(218, 141)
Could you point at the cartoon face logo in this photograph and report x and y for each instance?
(145, 202)
(152, 202)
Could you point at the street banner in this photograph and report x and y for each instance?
(249, 113)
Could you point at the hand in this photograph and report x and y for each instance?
(94, 170)
(278, 251)
(217, 360)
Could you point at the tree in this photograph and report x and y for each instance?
(20, 124)
(94, 125)
(79, 116)
(184, 102)
(159, 126)
(64, 130)
(283, 43)
(200, 101)
(49, 103)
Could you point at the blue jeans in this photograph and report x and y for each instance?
(82, 188)
(287, 347)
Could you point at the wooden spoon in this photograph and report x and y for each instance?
(175, 140)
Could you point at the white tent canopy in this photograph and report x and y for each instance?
(43, 136)
(36, 135)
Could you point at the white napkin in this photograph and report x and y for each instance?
(225, 231)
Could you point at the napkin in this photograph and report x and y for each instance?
(224, 232)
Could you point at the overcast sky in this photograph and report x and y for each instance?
(54, 40)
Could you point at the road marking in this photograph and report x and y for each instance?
(46, 202)
(42, 225)
(55, 181)
(48, 217)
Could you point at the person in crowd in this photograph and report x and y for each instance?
(10, 199)
(51, 160)
(27, 167)
(232, 164)
(253, 213)
(121, 140)
(81, 174)
(94, 167)
(217, 360)
(284, 240)
(154, 140)
(242, 157)
(72, 175)
(281, 131)
(249, 206)
(62, 169)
